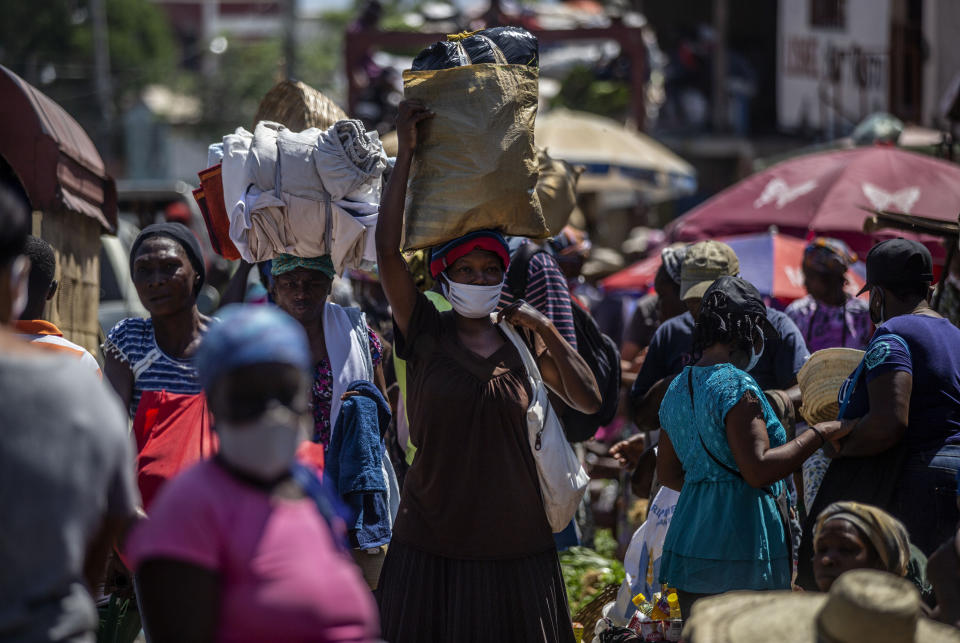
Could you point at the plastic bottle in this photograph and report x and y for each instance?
(674, 628)
(673, 602)
(578, 632)
(642, 614)
(642, 604)
(661, 610)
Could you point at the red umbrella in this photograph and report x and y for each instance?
(771, 262)
(825, 193)
(636, 277)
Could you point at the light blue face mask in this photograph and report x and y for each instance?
(755, 354)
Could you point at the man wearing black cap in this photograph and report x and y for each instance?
(903, 403)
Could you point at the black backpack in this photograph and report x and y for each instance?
(598, 351)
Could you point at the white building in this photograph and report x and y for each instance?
(840, 60)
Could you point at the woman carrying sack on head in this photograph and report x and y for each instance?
(724, 449)
(472, 556)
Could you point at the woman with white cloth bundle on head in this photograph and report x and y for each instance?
(344, 349)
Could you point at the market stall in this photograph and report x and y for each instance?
(73, 197)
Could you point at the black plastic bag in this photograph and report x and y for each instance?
(519, 46)
(440, 55)
(481, 49)
(511, 45)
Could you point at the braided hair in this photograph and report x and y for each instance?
(717, 325)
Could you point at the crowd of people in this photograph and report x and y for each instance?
(299, 469)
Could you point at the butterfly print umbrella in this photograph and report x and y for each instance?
(824, 193)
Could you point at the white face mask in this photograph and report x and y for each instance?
(263, 448)
(755, 354)
(19, 275)
(471, 301)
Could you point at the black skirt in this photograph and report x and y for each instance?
(425, 598)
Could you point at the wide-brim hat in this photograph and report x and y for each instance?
(820, 380)
(862, 605)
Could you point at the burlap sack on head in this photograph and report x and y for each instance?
(475, 167)
(298, 106)
(557, 190)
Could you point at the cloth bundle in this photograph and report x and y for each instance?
(306, 193)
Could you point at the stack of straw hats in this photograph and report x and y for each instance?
(820, 380)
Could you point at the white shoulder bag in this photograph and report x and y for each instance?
(562, 480)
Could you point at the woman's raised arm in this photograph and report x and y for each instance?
(398, 285)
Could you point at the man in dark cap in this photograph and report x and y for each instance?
(654, 309)
(903, 402)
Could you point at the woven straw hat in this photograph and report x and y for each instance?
(820, 380)
(298, 106)
(863, 605)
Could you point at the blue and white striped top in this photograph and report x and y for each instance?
(133, 342)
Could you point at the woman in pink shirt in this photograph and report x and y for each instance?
(245, 547)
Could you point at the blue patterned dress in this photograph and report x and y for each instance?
(725, 535)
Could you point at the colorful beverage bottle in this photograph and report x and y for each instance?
(578, 632)
(674, 628)
(642, 614)
(661, 609)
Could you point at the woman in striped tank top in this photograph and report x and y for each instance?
(150, 362)
(156, 353)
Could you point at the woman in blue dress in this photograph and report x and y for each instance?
(724, 449)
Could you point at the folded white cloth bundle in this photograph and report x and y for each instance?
(304, 193)
(214, 154)
(350, 162)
